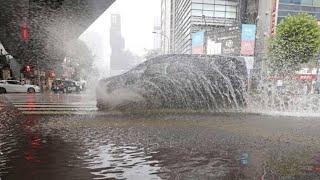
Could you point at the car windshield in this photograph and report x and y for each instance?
(160, 89)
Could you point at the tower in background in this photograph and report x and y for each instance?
(117, 44)
(157, 35)
(121, 60)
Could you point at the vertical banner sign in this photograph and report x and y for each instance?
(274, 16)
(198, 42)
(24, 31)
(248, 37)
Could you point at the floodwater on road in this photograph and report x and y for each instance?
(176, 146)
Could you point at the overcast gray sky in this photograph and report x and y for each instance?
(137, 25)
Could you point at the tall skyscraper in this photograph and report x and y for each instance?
(166, 25)
(157, 34)
(121, 60)
(117, 62)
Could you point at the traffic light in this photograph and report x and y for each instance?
(51, 74)
(24, 32)
(27, 68)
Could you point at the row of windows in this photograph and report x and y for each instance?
(215, 14)
(214, 7)
(303, 2)
(298, 8)
(286, 10)
(221, 2)
(288, 13)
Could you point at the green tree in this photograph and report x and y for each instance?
(152, 53)
(296, 42)
(80, 58)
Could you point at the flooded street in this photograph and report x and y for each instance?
(146, 146)
(160, 90)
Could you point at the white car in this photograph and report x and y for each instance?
(13, 86)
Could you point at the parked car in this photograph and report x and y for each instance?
(65, 86)
(57, 86)
(71, 86)
(81, 84)
(14, 86)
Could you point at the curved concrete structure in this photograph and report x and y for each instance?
(50, 24)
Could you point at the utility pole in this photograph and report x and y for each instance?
(205, 34)
(38, 72)
(168, 40)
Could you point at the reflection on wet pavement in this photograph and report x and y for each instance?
(172, 146)
(112, 161)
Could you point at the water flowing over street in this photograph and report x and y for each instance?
(93, 145)
(160, 90)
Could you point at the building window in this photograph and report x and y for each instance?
(315, 3)
(209, 7)
(219, 14)
(307, 2)
(231, 15)
(290, 7)
(208, 13)
(215, 8)
(196, 6)
(196, 12)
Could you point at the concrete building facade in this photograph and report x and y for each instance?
(189, 16)
(166, 24)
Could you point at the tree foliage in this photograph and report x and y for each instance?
(297, 41)
(80, 58)
(152, 53)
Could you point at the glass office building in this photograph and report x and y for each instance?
(218, 9)
(188, 16)
(291, 7)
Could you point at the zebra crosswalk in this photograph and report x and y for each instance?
(55, 108)
(44, 104)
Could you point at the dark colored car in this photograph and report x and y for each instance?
(65, 86)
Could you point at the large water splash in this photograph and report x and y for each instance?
(289, 100)
(188, 82)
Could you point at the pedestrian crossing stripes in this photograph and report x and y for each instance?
(35, 108)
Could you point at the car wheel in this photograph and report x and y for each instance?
(31, 90)
(3, 90)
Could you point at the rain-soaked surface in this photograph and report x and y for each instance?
(146, 146)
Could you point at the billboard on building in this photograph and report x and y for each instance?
(198, 42)
(214, 48)
(224, 40)
(248, 36)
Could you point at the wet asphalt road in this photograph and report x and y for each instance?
(48, 136)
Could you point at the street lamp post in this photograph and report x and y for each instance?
(38, 73)
(168, 40)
